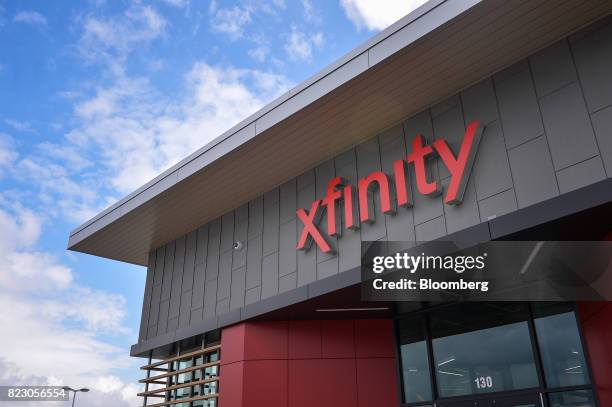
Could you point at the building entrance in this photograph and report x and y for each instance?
(525, 400)
(493, 354)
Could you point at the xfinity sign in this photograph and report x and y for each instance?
(393, 190)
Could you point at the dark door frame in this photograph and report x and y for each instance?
(540, 391)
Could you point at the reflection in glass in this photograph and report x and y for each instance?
(563, 358)
(415, 366)
(197, 374)
(182, 377)
(211, 371)
(578, 398)
(212, 357)
(482, 348)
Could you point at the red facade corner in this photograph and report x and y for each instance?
(596, 319)
(306, 363)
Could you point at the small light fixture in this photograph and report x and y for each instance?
(75, 391)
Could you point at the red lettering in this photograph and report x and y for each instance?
(460, 166)
(350, 209)
(417, 156)
(401, 187)
(330, 202)
(361, 209)
(310, 232)
(386, 204)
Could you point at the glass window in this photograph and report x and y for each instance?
(183, 377)
(415, 366)
(207, 388)
(577, 398)
(482, 348)
(561, 350)
(205, 403)
(212, 357)
(197, 374)
(212, 337)
(211, 371)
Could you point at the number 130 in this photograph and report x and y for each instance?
(483, 382)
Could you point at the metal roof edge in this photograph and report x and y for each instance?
(247, 128)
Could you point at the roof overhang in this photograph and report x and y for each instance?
(439, 49)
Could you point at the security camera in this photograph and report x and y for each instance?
(238, 245)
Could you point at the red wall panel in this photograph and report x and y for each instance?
(230, 387)
(322, 382)
(377, 382)
(338, 339)
(306, 363)
(265, 340)
(265, 383)
(304, 339)
(374, 338)
(232, 343)
(596, 321)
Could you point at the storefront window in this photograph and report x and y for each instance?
(482, 348)
(578, 398)
(561, 350)
(494, 354)
(415, 365)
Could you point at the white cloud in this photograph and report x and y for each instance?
(69, 155)
(39, 271)
(177, 3)
(377, 14)
(126, 133)
(8, 154)
(317, 39)
(259, 53)
(61, 178)
(138, 133)
(21, 126)
(55, 350)
(122, 133)
(112, 39)
(310, 13)
(57, 184)
(30, 17)
(299, 45)
(104, 391)
(20, 229)
(261, 50)
(54, 321)
(68, 94)
(230, 20)
(96, 310)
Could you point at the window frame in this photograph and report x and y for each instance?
(541, 389)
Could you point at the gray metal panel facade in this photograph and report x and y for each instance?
(548, 131)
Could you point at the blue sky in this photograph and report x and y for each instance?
(98, 97)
